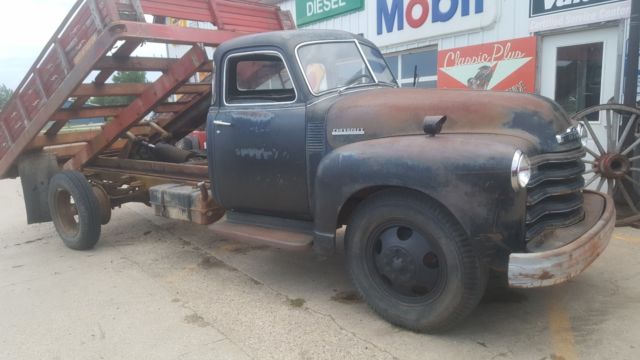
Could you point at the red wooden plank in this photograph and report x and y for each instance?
(245, 29)
(215, 14)
(85, 113)
(85, 33)
(14, 121)
(166, 8)
(5, 143)
(132, 89)
(112, 63)
(215, 11)
(179, 13)
(155, 93)
(178, 35)
(39, 87)
(30, 98)
(123, 52)
(286, 19)
(273, 23)
(197, 4)
(74, 27)
(95, 14)
(190, 10)
(109, 90)
(230, 7)
(170, 108)
(51, 72)
(104, 11)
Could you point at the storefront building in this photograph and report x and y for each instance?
(568, 50)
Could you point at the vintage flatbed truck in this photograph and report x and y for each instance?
(307, 132)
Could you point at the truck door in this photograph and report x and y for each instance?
(259, 162)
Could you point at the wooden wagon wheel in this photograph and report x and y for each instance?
(614, 159)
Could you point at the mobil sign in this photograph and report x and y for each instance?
(399, 21)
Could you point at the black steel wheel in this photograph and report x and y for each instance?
(412, 262)
(75, 210)
(407, 262)
(613, 162)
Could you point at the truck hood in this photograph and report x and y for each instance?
(378, 113)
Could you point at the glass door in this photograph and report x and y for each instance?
(579, 70)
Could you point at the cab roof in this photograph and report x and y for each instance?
(287, 40)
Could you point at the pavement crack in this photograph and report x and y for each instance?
(185, 305)
(351, 332)
(102, 333)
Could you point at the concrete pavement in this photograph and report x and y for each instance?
(161, 289)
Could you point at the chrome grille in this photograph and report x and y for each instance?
(554, 193)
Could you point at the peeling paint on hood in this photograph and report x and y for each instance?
(396, 112)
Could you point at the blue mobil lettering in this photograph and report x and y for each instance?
(417, 12)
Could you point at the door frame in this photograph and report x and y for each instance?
(224, 111)
(620, 28)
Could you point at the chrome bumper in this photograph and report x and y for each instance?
(554, 266)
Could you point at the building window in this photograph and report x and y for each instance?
(421, 65)
(578, 77)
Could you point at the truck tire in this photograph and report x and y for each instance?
(185, 144)
(412, 262)
(75, 210)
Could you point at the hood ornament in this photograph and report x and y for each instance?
(432, 125)
(573, 133)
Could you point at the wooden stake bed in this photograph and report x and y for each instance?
(96, 39)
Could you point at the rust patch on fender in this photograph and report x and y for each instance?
(545, 275)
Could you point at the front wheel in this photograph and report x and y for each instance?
(412, 262)
(75, 210)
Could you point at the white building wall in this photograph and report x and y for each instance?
(512, 22)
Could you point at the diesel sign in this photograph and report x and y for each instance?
(544, 7)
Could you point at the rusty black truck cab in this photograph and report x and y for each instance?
(309, 132)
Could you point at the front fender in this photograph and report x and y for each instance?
(467, 174)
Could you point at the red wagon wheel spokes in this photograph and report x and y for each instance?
(625, 133)
(614, 158)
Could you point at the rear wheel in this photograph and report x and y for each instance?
(412, 262)
(75, 210)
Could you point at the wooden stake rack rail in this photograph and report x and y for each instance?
(98, 38)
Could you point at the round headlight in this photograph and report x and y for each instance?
(520, 170)
(584, 134)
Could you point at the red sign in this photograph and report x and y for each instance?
(503, 66)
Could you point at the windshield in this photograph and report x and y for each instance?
(337, 65)
(378, 65)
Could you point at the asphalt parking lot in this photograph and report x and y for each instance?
(161, 289)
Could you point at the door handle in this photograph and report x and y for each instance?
(222, 123)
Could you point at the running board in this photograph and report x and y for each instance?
(281, 233)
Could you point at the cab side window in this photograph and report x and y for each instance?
(257, 78)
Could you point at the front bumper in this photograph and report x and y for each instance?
(553, 266)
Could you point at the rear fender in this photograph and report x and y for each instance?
(35, 170)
